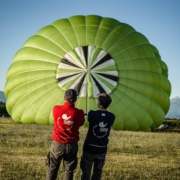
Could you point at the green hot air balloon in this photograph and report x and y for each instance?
(91, 54)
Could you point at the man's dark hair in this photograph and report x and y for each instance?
(70, 95)
(105, 100)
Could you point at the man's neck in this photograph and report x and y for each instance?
(102, 109)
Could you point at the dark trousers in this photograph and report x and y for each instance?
(59, 152)
(89, 160)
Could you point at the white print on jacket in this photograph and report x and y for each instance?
(101, 128)
(66, 118)
(64, 124)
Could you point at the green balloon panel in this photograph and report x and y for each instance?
(91, 54)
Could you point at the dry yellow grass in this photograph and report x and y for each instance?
(131, 155)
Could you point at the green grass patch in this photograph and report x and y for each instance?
(131, 155)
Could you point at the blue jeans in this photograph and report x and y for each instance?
(87, 161)
(59, 152)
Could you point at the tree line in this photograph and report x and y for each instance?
(3, 111)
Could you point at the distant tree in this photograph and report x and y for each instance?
(3, 111)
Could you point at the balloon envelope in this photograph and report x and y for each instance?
(91, 54)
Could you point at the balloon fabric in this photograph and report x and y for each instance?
(91, 54)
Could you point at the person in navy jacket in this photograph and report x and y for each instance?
(64, 147)
(95, 144)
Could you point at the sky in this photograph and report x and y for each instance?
(158, 20)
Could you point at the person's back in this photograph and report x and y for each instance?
(67, 120)
(100, 123)
(95, 144)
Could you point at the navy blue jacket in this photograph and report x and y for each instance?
(100, 123)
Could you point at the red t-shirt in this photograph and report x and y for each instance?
(67, 120)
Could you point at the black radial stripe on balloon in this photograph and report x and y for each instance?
(85, 52)
(65, 77)
(114, 78)
(107, 57)
(100, 88)
(66, 61)
(79, 84)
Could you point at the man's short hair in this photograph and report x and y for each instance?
(104, 99)
(70, 95)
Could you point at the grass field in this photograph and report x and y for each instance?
(131, 155)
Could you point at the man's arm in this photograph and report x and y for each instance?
(89, 116)
(82, 117)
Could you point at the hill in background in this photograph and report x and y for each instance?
(174, 110)
(2, 97)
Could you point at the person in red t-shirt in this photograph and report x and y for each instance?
(67, 121)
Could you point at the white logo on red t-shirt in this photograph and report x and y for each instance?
(66, 120)
(65, 124)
